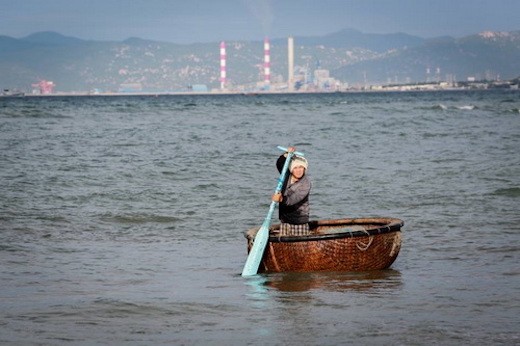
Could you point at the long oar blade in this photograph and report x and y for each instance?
(257, 251)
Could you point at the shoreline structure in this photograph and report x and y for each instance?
(375, 89)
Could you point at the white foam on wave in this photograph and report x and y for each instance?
(467, 107)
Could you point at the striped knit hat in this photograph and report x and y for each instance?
(298, 161)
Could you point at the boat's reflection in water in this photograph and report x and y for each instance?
(376, 280)
(335, 281)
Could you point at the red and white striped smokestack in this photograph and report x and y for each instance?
(267, 62)
(222, 65)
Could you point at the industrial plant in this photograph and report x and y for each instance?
(317, 80)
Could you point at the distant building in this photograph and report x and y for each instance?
(323, 81)
(44, 87)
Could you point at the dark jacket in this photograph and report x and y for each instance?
(294, 208)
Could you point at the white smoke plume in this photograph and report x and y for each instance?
(262, 10)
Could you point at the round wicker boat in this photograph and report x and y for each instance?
(333, 245)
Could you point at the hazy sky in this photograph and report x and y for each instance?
(188, 21)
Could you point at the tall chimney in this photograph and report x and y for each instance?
(222, 65)
(290, 57)
(267, 62)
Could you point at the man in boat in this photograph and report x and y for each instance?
(294, 196)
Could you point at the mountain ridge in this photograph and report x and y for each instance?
(351, 56)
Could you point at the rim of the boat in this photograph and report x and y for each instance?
(389, 225)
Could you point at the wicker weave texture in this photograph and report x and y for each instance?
(345, 254)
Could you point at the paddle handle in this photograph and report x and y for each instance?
(283, 173)
(286, 149)
(279, 186)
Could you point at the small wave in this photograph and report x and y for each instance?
(434, 107)
(466, 107)
(138, 218)
(112, 307)
(53, 218)
(207, 186)
(508, 192)
(440, 106)
(511, 273)
(13, 248)
(33, 113)
(126, 144)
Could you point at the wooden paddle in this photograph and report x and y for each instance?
(262, 236)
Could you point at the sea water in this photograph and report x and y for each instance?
(122, 218)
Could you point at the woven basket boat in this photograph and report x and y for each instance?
(334, 245)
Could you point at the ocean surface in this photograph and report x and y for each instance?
(122, 218)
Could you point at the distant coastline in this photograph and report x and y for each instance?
(426, 87)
